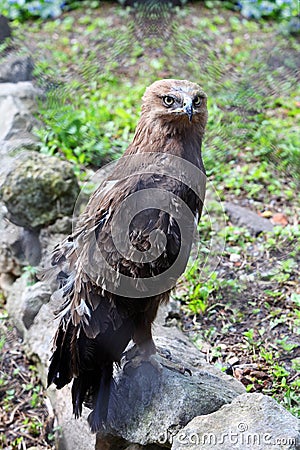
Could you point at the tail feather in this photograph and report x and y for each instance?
(80, 388)
(98, 417)
(61, 371)
(89, 361)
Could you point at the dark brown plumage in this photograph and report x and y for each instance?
(105, 306)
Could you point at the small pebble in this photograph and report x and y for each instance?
(234, 257)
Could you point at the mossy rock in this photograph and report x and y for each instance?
(39, 190)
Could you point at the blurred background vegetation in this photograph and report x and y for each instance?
(256, 9)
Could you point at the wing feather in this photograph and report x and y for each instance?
(92, 246)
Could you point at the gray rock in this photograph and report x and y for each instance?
(5, 31)
(243, 217)
(250, 421)
(33, 298)
(74, 434)
(24, 300)
(148, 405)
(44, 326)
(18, 248)
(14, 147)
(12, 151)
(111, 443)
(10, 257)
(17, 122)
(30, 246)
(142, 447)
(293, 26)
(61, 226)
(25, 93)
(17, 103)
(6, 282)
(14, 303)
(16, 68)
(39, 190)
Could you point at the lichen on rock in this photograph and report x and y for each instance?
(39, 190)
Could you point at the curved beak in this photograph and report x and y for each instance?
(188, 109)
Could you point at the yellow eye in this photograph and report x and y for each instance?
(168, 100)
(197, 100)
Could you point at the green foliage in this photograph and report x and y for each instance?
(22, 396)
(43, 9)
(258, 138)
(96, 129)
(258, 9)
(274, 9)
(204, 289)
(25, 9)
(29, 272)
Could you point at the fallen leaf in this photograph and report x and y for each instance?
(280, 219)
(238, 373)
(259, 374)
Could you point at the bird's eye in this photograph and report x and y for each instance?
(168, 100)
(197, 100)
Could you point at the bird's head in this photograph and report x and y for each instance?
(176, 101)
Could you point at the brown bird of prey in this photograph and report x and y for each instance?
(129, 246)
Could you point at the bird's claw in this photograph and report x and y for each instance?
(134, 358)
(172, 365)
(132, 353)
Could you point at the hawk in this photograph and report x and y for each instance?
(129, 246)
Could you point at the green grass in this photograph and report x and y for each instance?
(98, 126)
(91, 117)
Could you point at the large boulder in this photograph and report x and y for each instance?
(39, 190)
(251, 421)
(149, 405)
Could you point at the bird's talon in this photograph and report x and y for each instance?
(130, 354)
(188, 371)
(164, 353)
